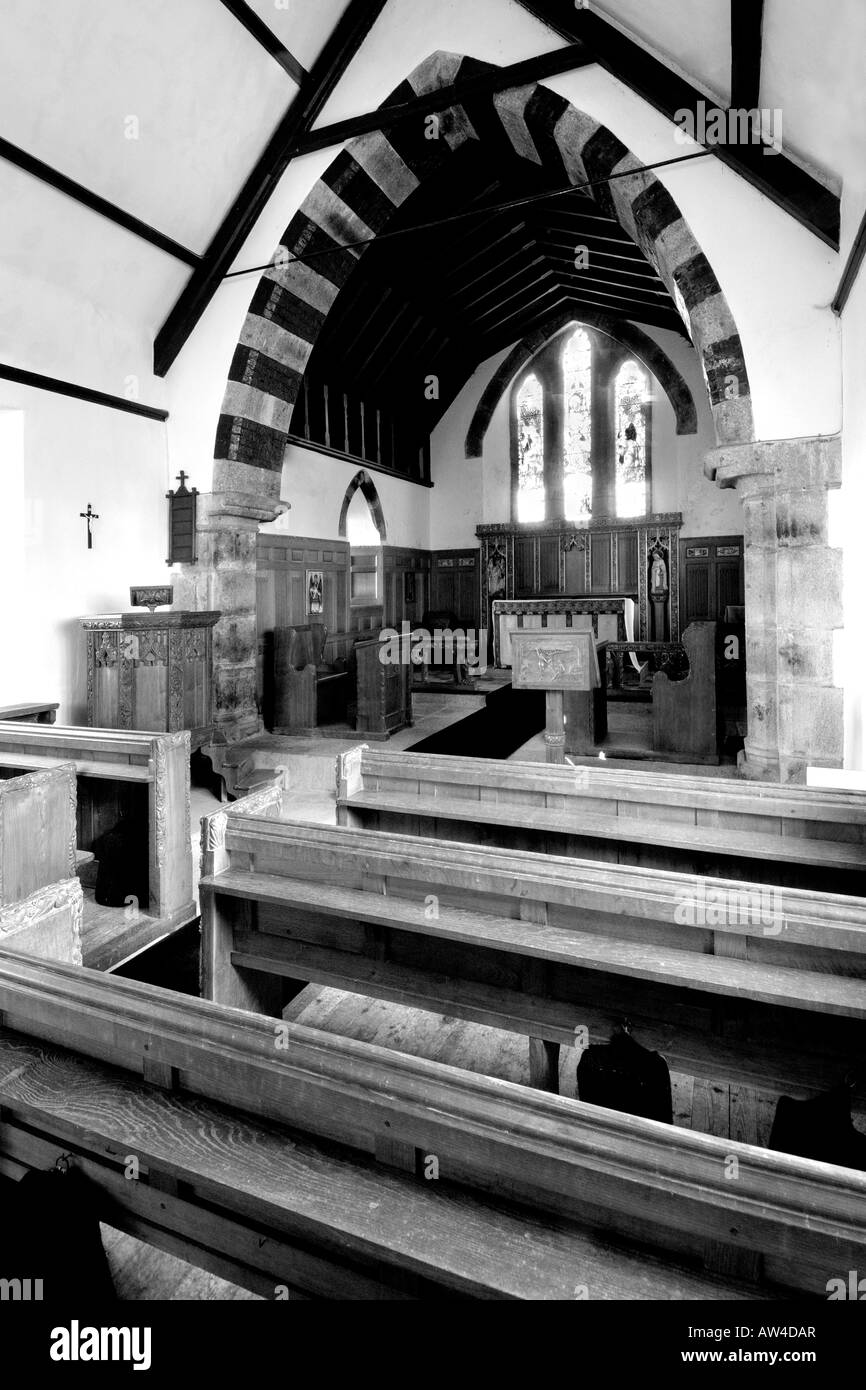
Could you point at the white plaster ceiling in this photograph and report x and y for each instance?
(206, 96)
(303, 25)
(692, 35)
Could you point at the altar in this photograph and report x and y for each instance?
(612, 618)
(151, 671)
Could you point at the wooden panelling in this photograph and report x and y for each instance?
(406, 582)
(711, 577)
(524, 566)
(454, 584)
(601, 559)
(548, 564)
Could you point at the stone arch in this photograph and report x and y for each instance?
(354, 200)
(638, 343)
(291, 301)
(364, 482)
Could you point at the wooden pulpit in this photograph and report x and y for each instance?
(569, 665)
(151, 671)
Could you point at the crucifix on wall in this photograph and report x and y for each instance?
(88, 516)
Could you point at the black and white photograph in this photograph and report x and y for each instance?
(433, 696)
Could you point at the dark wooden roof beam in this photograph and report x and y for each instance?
(88, 199)
(497, 273)
(530, 269)
(747, 20)
(779, 178)
(349, 33)
(257, 28)
(535, 69)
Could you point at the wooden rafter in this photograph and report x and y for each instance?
(789, 186)
(747, 20)
(559, 60)
(351, 30)
(257, 28)
(46, 174)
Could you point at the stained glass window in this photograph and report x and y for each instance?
(632, 398)
(577, 393)
(530, 451)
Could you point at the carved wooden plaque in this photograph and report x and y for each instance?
(557, 660)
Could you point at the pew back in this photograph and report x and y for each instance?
(40, 897)
(723, 977)
(799, 836)
(238, 1191)
(136, 782)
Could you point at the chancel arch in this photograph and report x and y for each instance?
(360, 196)
(413, 328)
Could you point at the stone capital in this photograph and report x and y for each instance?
(810, 462)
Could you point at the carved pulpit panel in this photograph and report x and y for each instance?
(151, 671)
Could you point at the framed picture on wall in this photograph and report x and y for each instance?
(409, 587)
(315, 589)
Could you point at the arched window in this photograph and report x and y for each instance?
(577, 452)
(361, 529)
(632, 397)
(530, 451)
(581, 431)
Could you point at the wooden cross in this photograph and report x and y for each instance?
(88, 516)
(181, 478)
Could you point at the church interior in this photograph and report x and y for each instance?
(433, 717)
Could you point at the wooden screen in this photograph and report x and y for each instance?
(711, 577)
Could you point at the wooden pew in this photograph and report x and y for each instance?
(773, 994)
(685, 713)
(796, 836)
(40, 896)
(297, 1163)
(138, 779)
(34, 713)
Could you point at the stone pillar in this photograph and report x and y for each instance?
(793, 602)
(224, 578)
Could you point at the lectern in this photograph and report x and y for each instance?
(570, 667)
